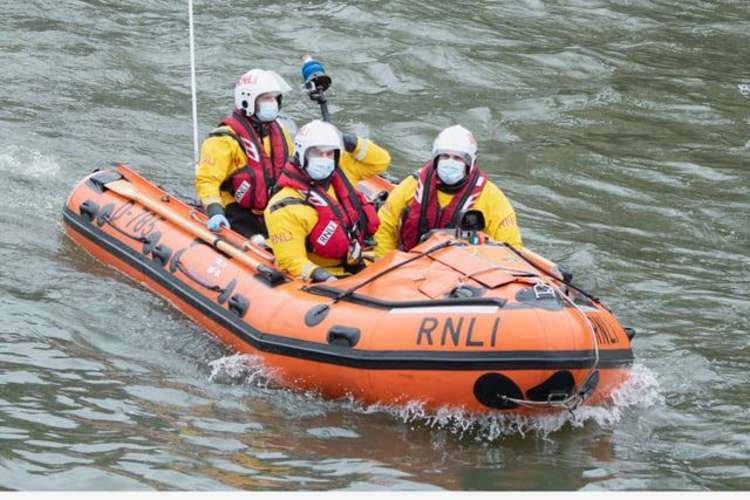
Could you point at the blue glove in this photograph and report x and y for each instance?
(319, 275)
(217, 221)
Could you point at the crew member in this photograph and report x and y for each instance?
(242, 159)
(318, 221)
(440, 192)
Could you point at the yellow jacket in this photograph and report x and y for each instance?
(221, 156)
(289, 225)
(497, 210)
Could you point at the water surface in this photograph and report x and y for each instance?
(619, 130)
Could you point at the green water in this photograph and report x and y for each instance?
(619, 130)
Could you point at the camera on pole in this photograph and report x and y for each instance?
(316, 83)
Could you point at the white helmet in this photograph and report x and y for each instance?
(317, 133)
(254, 83)
(456, 139)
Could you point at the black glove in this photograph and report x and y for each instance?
(566, 274)
(350, 141)
(214, 209)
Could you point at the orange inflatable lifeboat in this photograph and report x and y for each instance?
(459, 321)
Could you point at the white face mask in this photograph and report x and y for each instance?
(451, 171)
(319, 168)
(267, 110)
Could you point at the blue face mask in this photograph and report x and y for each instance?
(451, 171)
(268, 111)
(319, 168)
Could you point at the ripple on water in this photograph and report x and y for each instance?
(39, 417)
(23, 163)
(25, 170)
(215, 425)
(641, 390)
(643, 100)
(332, 432)
(165, 395)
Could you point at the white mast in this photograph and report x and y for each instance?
(192, 85)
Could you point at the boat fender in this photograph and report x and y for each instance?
(239, 305)
(492, 389)
(316, 314)
(161, 254)
(224, 295)
(88, 209)
(346, 336)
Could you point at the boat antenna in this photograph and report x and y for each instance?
(192, 85)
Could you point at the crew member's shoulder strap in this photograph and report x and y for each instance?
(285, 202)
(461, 198)
(283, 134)
(228, 132)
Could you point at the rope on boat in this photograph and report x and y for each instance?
(572, 401)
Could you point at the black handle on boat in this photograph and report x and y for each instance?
(316, 83)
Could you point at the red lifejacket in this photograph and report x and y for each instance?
(251, 185)
(425, 214)
(341, 221)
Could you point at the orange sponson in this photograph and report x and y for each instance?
(451, 323)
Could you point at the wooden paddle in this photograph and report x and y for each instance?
(126, 189)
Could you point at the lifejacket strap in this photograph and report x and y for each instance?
(287, 202)
(223, 132)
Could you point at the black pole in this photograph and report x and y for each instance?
(323, 102)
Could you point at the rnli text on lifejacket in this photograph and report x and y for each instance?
(467, 331)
